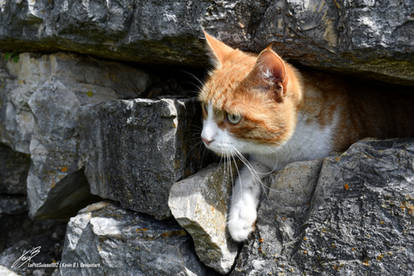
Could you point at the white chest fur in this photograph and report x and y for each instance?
(309, 141)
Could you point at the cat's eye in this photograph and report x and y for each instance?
(234, 118)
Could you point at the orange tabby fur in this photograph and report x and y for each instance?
(364, 111)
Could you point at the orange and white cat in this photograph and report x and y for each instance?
(264, 107)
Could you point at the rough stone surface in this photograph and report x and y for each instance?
(13, 171)
(137, 149)
(122, 242)
(40, 102)
(359, 221)
(6, 272)
(147, 31)
(199, 204)
(19, 234)
(88, 80)
(374, 38)
(12, 205)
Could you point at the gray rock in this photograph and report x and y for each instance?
(374, 38)
(55, 180)
(199, 203)
(122, 242)
(6, 272)
(147, 31)
(360, 220)
(12, 205)
(89, 80)
(370, 37)
(137, 149)
(13, 171)
(39, 112)
(20, 234)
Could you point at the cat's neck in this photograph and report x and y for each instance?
(309, 141)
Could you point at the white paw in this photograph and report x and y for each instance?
(241, 223)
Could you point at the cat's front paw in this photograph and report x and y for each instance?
(241, 224)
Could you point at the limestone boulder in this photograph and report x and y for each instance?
(371, 38)
(113, 240)
(358, 219)
(200, 203)
(40, 101)
(135, 150)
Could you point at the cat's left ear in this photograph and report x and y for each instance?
(269, 73)
(218, 49)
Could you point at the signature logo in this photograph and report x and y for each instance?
(26, 257)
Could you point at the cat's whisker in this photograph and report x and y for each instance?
(233, 154)
(251, 169)
(231, 168)
(237, 168)
(247, 161)
(195, 146)
(195, 77)
(255, 174)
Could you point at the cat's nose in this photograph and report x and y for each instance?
(207, 141)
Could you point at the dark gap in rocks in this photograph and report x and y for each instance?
(12, 204)
(349, 76)
(20, 234)
(70, 195)
(239, 252)
(209, 271)
(13, 171)
(174, 81)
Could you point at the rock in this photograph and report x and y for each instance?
(137, 149)
(199, 203)
(13, 171)
(39, 113)
(12, 205)
(6, 272)
(20, 234)
(372, 38)
(360, 219)
(121, 242)
(88, 79)
(55, 180)
(125, 30)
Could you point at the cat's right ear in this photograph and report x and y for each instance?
(219, 51)
(269, 73)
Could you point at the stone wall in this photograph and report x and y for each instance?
(100, 157)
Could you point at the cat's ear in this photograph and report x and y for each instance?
(218, 49)
(269, 73)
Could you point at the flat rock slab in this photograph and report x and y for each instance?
(135, 150)
(199, 203)
(372, 38)
(360, 218)
(121, 242)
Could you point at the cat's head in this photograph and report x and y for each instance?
(249, 102)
